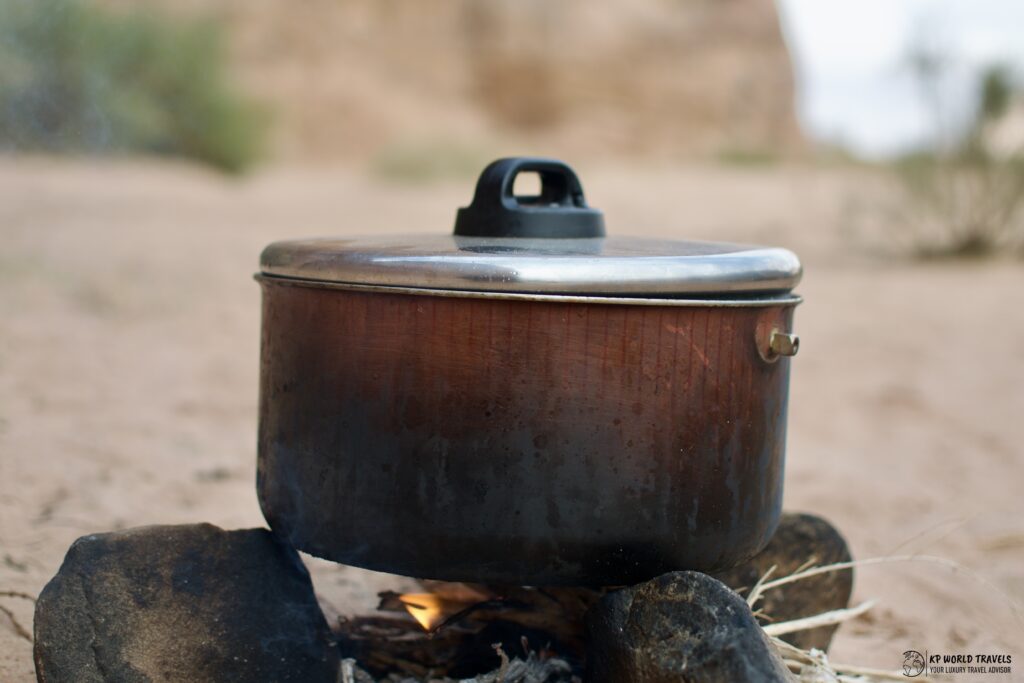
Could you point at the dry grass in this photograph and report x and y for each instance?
(813, 666)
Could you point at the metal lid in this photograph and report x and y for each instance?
(501, 246)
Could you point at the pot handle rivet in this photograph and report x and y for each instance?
(783, 343)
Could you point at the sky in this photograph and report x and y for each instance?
(855, 86)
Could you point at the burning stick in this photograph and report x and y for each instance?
(434, 612)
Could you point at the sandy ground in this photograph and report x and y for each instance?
(128, 366)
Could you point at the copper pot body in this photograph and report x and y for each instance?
(531, 441)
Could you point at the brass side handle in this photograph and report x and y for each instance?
(783, 343)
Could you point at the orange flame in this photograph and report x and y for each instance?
(426, 608)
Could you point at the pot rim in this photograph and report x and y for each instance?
(768, 299)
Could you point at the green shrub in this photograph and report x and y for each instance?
(966, 201)
(963, 205)
(77, 78)
(747, 156)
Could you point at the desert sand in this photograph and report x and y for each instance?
(128, 370)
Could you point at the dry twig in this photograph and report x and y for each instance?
(831, 618)
(755, 592)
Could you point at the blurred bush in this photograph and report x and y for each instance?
(966, 199)
(969, 206)
(75, 77)
(746, 156)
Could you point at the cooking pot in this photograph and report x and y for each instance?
(526, 401)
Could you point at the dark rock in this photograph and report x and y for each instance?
(683, 626)
(182, 603)
(799, 539)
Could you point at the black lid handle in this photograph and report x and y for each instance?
(559, 211)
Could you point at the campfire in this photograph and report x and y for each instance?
(454, 626)
(452, 630)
